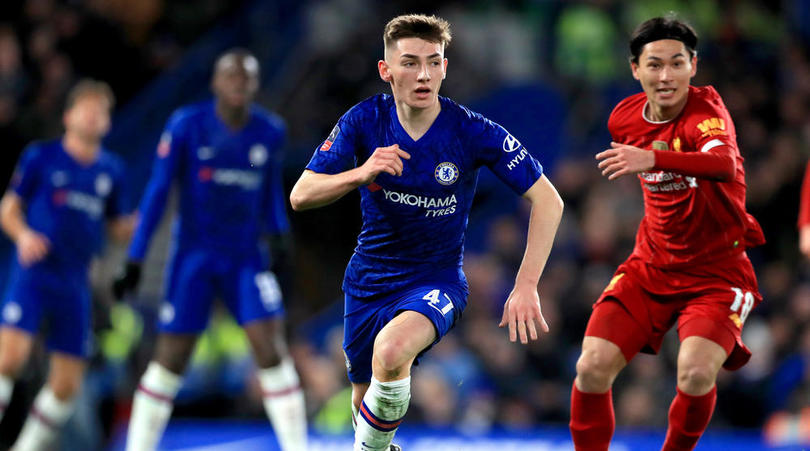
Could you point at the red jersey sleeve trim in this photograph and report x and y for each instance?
(804, 203)
(709, 165)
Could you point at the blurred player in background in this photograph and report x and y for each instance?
(689, 263)
(225, 156)
(804, 215)
(415, 157)
(61, 197)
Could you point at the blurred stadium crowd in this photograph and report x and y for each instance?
(756, 53)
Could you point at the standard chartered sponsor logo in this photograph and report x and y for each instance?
(667, 181)
(443, 205)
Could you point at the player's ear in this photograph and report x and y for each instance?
(444, 72)
(694, 66)
(385, 73)
(634, 69)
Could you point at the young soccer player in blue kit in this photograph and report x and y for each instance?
(62, 196)
(225, 156)
(415, 156)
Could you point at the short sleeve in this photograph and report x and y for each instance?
(502, 153)
(27, 173)
(119, 202)
(709, 125)
(337, 153)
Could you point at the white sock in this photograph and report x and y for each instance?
(381, 411)
(6, 388)
(284, 404)
(42, 426)
(152, 407)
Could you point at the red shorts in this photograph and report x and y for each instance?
(642, 302)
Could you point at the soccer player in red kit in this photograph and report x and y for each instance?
(804, 215)
(689, 264)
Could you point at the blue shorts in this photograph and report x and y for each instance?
(441, 303)
(197, 276)
(57, 299)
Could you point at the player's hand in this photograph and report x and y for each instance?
(384, 159)
(32, 247)
(623, 159)
(127, 280)
(521, 311)
(804, 241)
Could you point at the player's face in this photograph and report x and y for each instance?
(664, 69)
(88, 117)
(415, 69)
(236, 80)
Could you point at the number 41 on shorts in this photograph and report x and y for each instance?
(433, 300)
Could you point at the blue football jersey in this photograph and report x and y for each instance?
(413, 224)
(229, 181)
(68, 201)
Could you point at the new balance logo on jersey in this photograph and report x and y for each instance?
(249, 180)
(445, 205)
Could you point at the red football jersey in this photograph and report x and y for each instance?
(687, 221)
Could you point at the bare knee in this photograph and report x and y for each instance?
(12, 363)
(267, 341)
(696, 379)
(174, 351)
(65, 388)
(390, 357)
(596, 370)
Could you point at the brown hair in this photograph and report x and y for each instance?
(657, 28)
(429, 28)
(87, 87)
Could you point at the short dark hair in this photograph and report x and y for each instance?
(429, 28)
(86, 87)
(657, 28)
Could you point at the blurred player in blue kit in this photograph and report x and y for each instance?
(415, 157)
(225, 155)
(62, 195)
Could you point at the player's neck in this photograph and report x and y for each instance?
(234, 118)
(417, 121)
(658, 113)
(85, 151)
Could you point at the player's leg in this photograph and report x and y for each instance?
(699, 361)
(20, 315)
(15, 348)
(54, 403)
(612, 338)
(281, 388)
(388, 395)
(154, 397)
(182, 318)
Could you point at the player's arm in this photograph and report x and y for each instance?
(804, 214)
(121, 228)
(315, 189)
(522, 307)
(150, 209)
(32, 246)
(716, 163)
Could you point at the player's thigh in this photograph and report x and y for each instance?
(66, 374)
(68, 315)
(612, 337)
(189, 293)
(266, 337)
(719, 315)
(20, 316)
(15, 348)
(403, 338)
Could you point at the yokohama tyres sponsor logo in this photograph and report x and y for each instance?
(419, 201)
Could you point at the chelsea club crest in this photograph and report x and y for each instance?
(446, 173)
